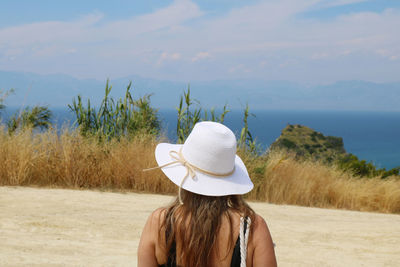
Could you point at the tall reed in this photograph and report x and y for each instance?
(3, 96)
(116, 118)
(187, 117)
(38, 117)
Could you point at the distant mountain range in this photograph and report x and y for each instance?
(58, 90)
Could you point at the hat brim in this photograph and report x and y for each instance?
(238, 183)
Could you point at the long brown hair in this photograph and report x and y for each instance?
(196, 223)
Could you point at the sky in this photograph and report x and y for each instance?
(306, 41)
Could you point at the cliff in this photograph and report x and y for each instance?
(306, 142)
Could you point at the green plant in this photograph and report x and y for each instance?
(187, 117)
(3, 96)
(246, 141)
(392, 172)
(113, 119)
(36, 117)
(350, 162)
(286, 143)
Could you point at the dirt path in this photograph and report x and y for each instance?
(56, 227)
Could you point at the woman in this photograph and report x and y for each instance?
(209, 224)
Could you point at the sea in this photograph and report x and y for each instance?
(373, 136)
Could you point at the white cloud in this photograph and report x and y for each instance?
(71, 51)
(269, 31)
(388, 54)
(239, 69)
(331, 3)
(48, 32)
(320, 55)
(345, 52)
(168, 57)
(172, 16)
(200, 56)
(382, 52)
(89, 30)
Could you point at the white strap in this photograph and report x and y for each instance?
(244, 238)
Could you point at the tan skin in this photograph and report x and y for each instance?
(260, 250)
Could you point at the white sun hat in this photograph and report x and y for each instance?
(206, 163)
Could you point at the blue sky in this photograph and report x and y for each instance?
(308, 41)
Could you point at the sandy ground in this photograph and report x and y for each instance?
(56, 227)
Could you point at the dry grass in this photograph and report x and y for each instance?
(75, 162)
(307, 183)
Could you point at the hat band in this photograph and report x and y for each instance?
(190, 169)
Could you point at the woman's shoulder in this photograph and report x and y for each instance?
(154, 222)
(158, 214)
(259, 222)
(262, 244)
(260, 228)
(148, 245)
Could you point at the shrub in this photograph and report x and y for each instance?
(286, 143)
(350, 162)
(334, 142)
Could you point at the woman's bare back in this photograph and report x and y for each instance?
(260, 250)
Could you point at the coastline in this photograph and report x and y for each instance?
(370, 135)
